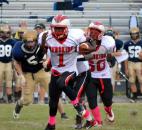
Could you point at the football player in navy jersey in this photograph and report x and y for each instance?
(28, 61)
(133, 66)
(6, 71)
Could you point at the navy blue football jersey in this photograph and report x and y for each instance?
(133, 50)
(30, 62)
(6, 50)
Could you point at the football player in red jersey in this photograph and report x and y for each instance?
(62, 43)
(100, 71)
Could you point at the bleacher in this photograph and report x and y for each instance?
(34, 11)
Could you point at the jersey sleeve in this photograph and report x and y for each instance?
(78, 35)
(16, 51)
(109, 43)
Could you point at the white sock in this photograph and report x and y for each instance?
(46, 95)
(35, 94)
(1, 94)
(63, 95)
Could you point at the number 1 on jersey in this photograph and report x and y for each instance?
(61, 60)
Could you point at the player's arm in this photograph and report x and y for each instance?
(47, 64)
(87, 47)
(18, 68)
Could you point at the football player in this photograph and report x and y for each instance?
(6, 71)
(62, 43)
(133, 66)
(100, 71)
(28, 62)
(42, 34)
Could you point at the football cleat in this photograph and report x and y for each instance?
(110, 116)
(15, 115)
(50, 127)
(16, 112)
(90, 124)
(64, 116)
(78, 124)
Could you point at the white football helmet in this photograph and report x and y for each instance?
(59, 26)
(96, 30)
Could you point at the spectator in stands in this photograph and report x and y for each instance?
(133, 66)
(6, 71)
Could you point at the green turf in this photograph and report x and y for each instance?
(127, 117)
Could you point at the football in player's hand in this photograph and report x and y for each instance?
(84, 48)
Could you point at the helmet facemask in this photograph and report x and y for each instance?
(30, 41)
(59, 32)
(59, 27)
(134, 33)
(95, 34)
(96, 30)
(5, 32)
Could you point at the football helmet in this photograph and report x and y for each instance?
(20, 32)
(110, 32)
(5, 31)
(59, 26)
(134, 33)
(30, 40)
(96, 30)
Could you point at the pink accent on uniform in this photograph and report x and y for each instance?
(87, 114)
(108, 109)
(102, 85)
(74, 102)
(52, 120)
(55, 72)
(70, 77)
(96, 114)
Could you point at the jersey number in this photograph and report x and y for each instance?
(134, 51)
(5, 50)
(32, 60)
(100, 65)
(61, 59)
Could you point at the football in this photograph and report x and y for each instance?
(84, 48)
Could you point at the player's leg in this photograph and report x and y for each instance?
(8, 81)
(132, 80)
(27, 95)
(139, 74)
(91, 92)
(17, 89)
(54, 93)
(1, 82)
(73, 97)
(106, 93)
(81, 82)
(43, 78)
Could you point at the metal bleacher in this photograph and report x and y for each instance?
(34, 11)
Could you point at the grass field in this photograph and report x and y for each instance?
(127, 117)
